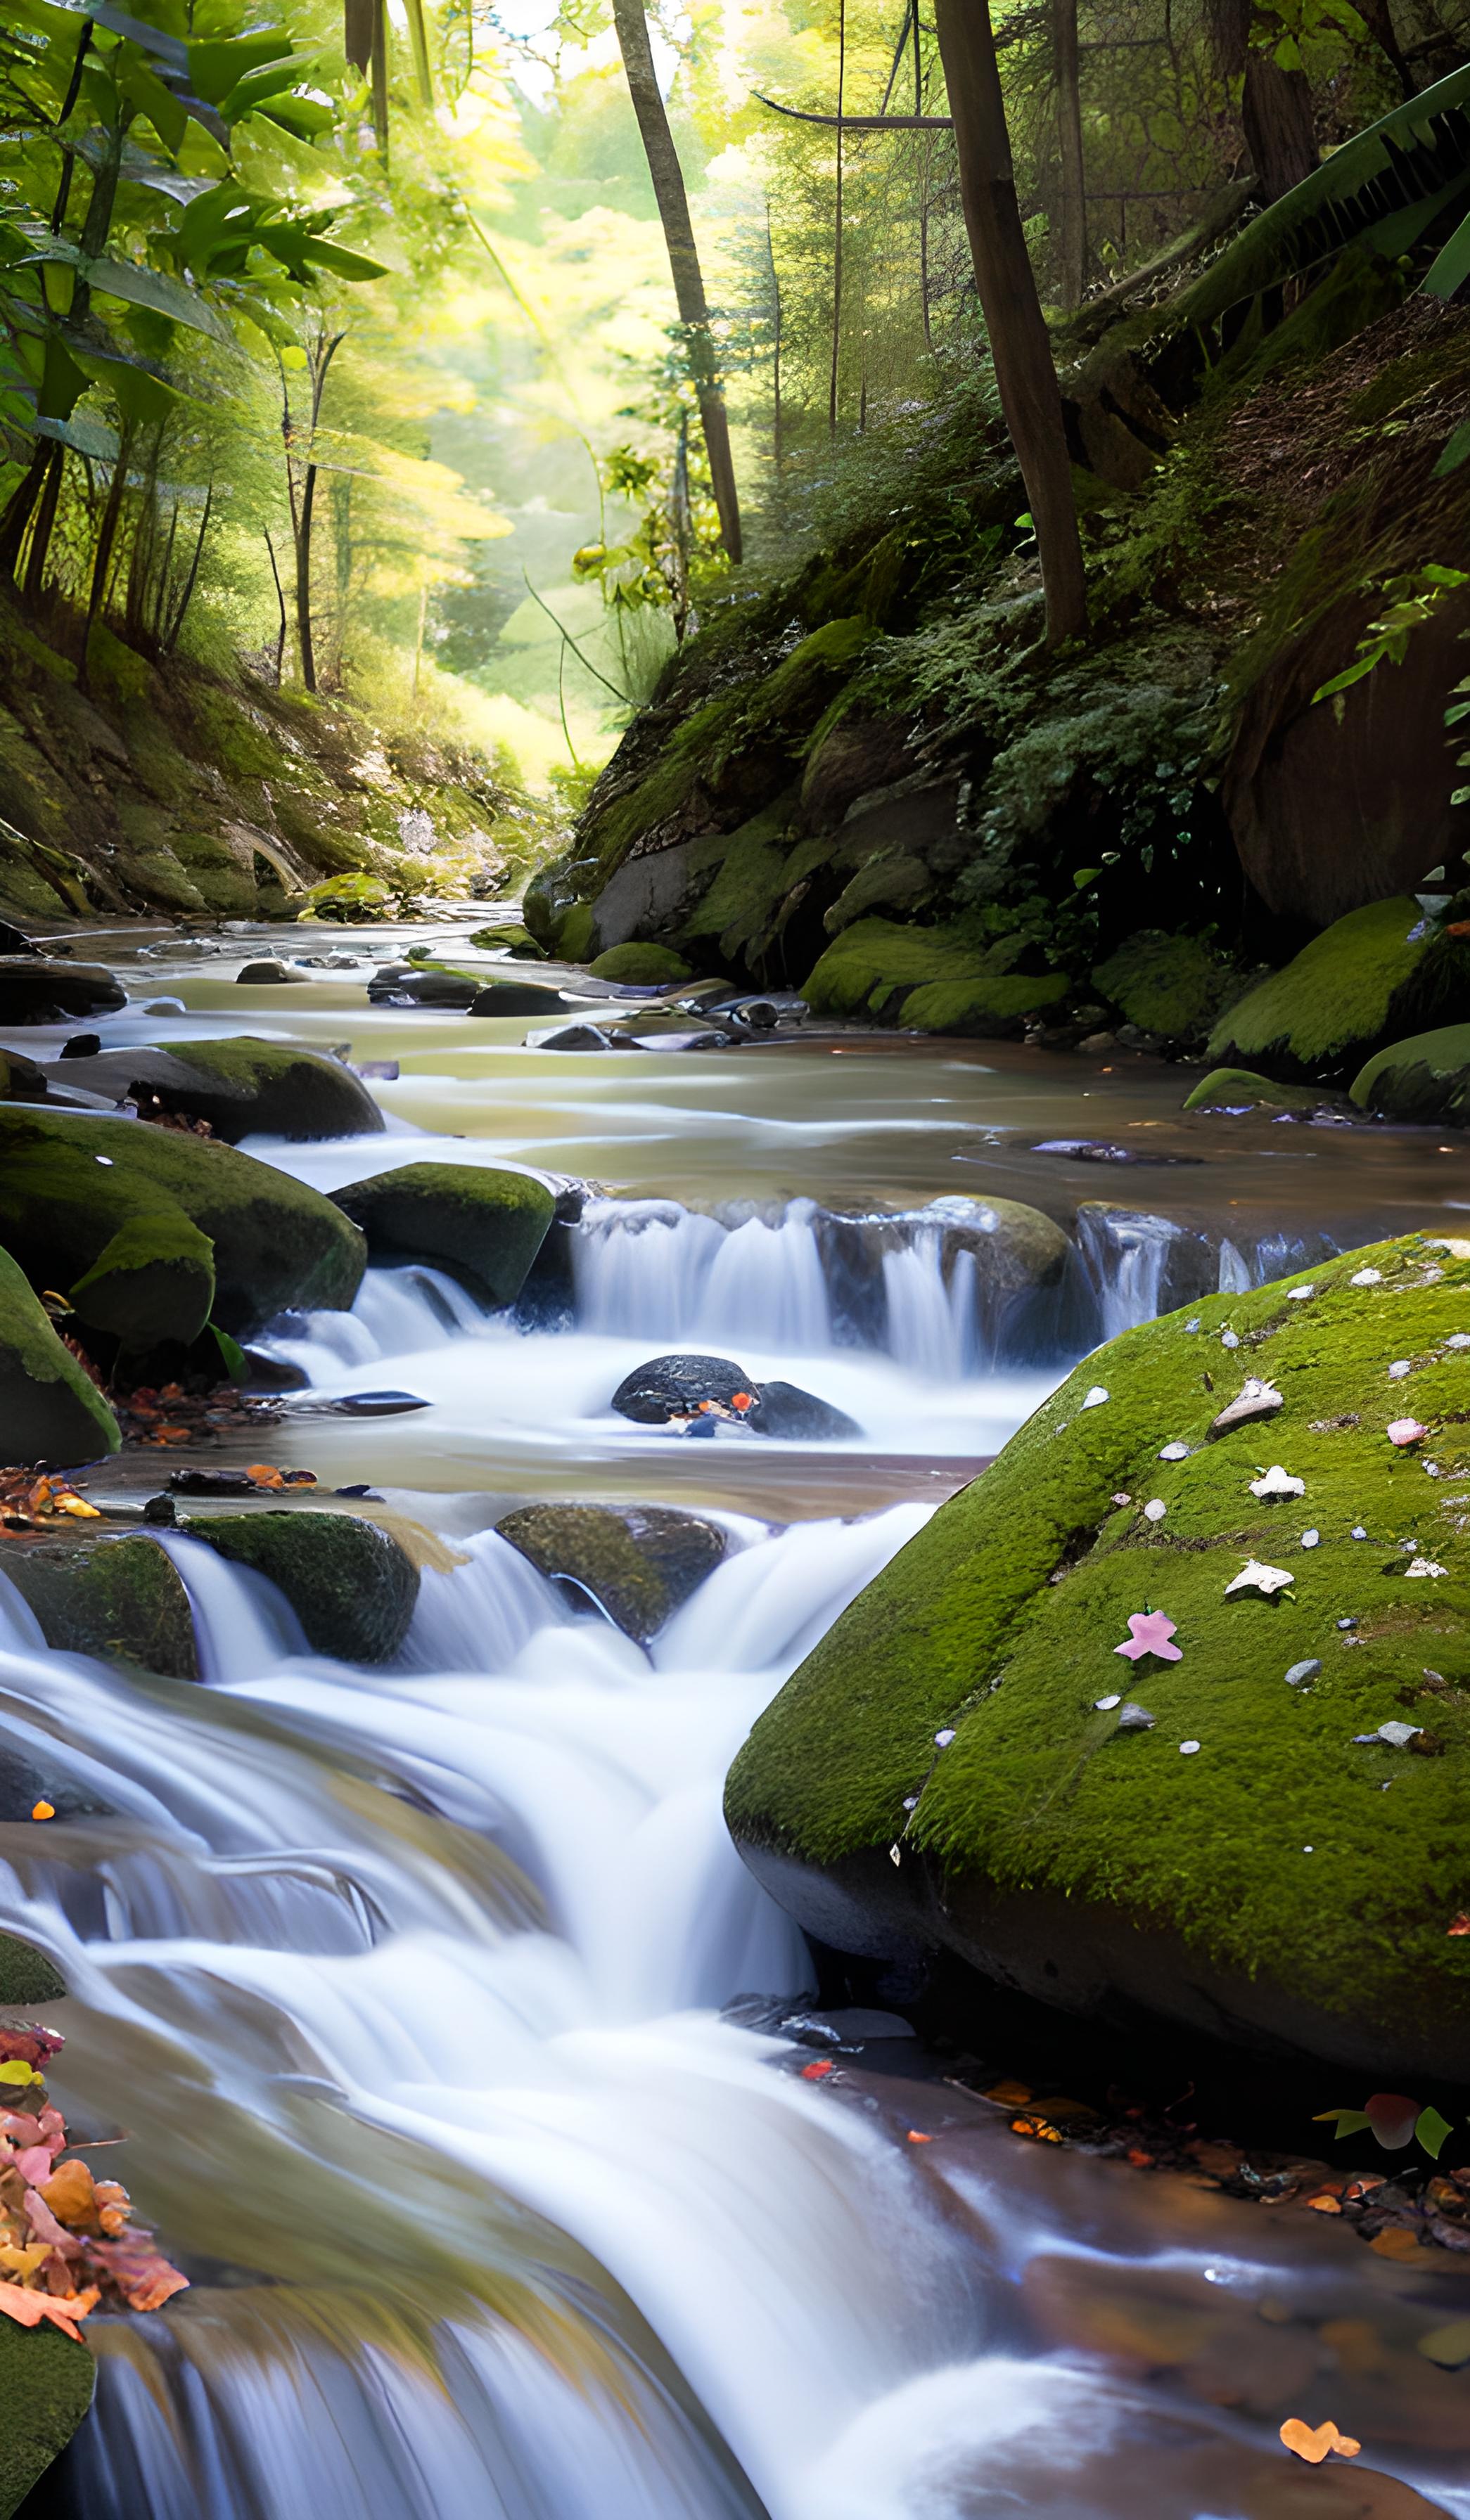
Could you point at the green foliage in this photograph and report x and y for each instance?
(1409, 602)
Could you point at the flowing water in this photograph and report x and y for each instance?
(414, 1988)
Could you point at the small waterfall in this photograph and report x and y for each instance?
(651, 1269)
(242, 1621)
(933, 1328)
(398, 1312)
(1129, 1260)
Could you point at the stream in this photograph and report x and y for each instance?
(417, 1990)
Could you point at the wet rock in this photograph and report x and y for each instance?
(69, 1181)
(681, 1389)
(1376, 977)
(50, 1407)
(153, 1282)
(483, 1226)
(353, 1586)
(26, 1977)
(22, 1080)
(121, 1599)
(936, 979)
(242, 1088)
(519, 997)
(36, 989)
(1107, 1874)
(1239, 1090)
(14, 940)
(582, 1036)
(267, 975)
(796, 1416)
(1424, 1078)
(22, 1784)
(83, 1045)
(638, 1563)
(431, 986)
(641, 966)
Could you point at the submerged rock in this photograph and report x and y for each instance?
(70, 1180)
(638, 1563)
(36, 989)
(119, 1598)
(1381, 972)
(353, 1586)
(50, 1407)
(242, 1088)
(519, 997)
(1424, 1078)
(679, 1390)
(432, 985)
(793, 1415)
(483, 1226)
(1258, 1889)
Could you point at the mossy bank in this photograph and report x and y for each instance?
(955, 1764)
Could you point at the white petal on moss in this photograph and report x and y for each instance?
(1310, 1539)
(1425, 1566)
(1174, 1452)
(1256, 1577)
(942, 1741)
(1399, 1368)
(1367, 1277)
(1228, 1338)
(1278, 1482)
(1095, 1397)
(1299, 1294)
(1105, 1705)
(1155, 1510)
(1187, 1749)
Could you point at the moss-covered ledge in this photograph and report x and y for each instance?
(1263, 1884)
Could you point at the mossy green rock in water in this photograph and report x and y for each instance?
(155, 1280)
(46, 2384)
(636, 1562)
(932, 978)
(1235, 1864)
(1172, 985)
(641, 966)
(69, 1182)
(484, 1227)
(351, 1586)
(1380, 973)
(1237, 1088)
(122, 1599)
(27, 1976)
(242, 1088)
(50, 1408)
(1424, 1078)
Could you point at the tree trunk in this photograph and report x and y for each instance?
(1275, 104)
(776, 315)
(837, 221)
(364, 40)
(1073, 221)
(683, 258)
(106, 538)
(1026, 379)
(18, 508)
(41, 531)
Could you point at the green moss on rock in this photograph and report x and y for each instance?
(1233, 1089)
(121, 1599)
(484, 1227)
(351, 1586)
(69, 1181)
(50, 1407)
(27, 1976)
(1383, 971)
(46, 2385)
(1424, 1078)
(637, 1562)
(577, 933)
(242, 1088)
(641, 966)
(1173, 985)
(154, 1281)
(1002, 1620)
(933, 978)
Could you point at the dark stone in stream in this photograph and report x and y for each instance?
(266, 975)
(273, 1372)
(242, 1087)
(1091, 1150)
(680, 1390)
(24, 1784)
(14, 940)
(36, 990)
(519, 997)
(370, 1404)
(481, 1224)
(122, 1599)
(26, 1977)
(83, 1045)
(456, 991)
(353, 1586)
(637, 1563)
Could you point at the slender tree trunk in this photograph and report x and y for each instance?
(913, 20)
(364, 40)
(418, 45)
(18, 508)
(836, 222)
(163, 579)
(776, 312)
(41, 530)
(177, 623)
(1073, 224)
(683, 258)
(281, 601)
(1025, 375)
(102, 564)
(303, 506)
(1275, 104)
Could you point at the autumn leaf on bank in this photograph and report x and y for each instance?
(1314, 2443)
(63, 2309)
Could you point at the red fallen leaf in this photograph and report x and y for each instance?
(263, 1475)
(64, 2310)
(45, 2225)
(914, 2136)
(816, 2073)
(1393, 2118)
(1315, 2444)
(34, 2164)
(1460, 1924)
(138, 2268)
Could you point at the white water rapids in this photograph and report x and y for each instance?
(406, 1984)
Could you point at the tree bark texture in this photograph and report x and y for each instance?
(1029, 396)
(1072, 239)
(1275, 103)
(683, 258)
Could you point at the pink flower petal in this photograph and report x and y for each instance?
(35, 2163)
(1406, 1431)
(1149, 1632)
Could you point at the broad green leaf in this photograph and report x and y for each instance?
(1456, 451)
(138, 393)
(1343, 682)
(88, 436)
(272, 79)
(63, 381)
(1347, 2121)
(231, 1355)
(215, 68)
(302, 116)
(337, 259)
(139, 286)
(1450, 267)
(1430, 2130)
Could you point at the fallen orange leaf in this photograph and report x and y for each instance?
(817, 2071)
(1011, 2095)
(1460, 1924)
(1395, 2243)
(28, 2309)
(1039, 2130)
(1313, 2446)
(914, 2136)
(1324, 2204)
(43, 1811)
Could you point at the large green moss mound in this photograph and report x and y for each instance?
(27, 1976)
(46, 2384)
(1380, 973)
(122, 1599)
(1237, 1088)
(155, 1280)
(351, 1586)
(1172, 985)
(1424, 1078)
(932, 978)
(242, 1088)
(484, 1227)
(68, 1182)
(50, 1408)
(1280, 1881)
(640, 966)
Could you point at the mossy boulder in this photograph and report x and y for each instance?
(934, 979)
(1424, 1078)
(46, 2385)
(518, 998)
(1239, 1089)
(650, 966)
(1172, 985)
(576, 932)
(37, 989)
(70, 1180)
(1380, 973)
(50, 1407)
(956, 1762)
(638, 1563)
(154, 1281)
(121, 1599)
(483, 1226)
(353, 1586)
(242, 1088)
(431, 984)
(28, 1977)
